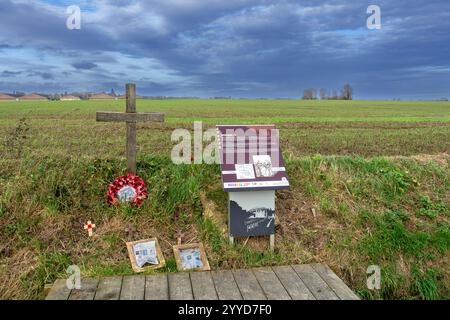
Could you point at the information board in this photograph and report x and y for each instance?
(250, 158)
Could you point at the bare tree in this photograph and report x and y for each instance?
(347, 92)
(309, 94)
(306, 94)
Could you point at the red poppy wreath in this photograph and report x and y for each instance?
(129, 188)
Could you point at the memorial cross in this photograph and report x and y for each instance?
(131, 117)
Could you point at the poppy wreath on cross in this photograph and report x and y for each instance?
(129, 188)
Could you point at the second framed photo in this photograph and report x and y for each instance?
(191, 257)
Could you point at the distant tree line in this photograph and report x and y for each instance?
(325, 94)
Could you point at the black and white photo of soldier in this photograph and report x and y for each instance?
(263, 166)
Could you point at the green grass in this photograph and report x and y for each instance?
(185, 110)
(56, 163)
(367, 128)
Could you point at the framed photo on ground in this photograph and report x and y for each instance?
(145, 254)
(191, 257)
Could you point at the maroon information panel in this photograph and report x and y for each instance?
(250, 158)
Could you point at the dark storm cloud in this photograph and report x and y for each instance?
(7, 73)
(42, 75)
(240, 48)
(45, 75)
(84, 65)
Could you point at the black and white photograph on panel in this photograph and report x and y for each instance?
(252, 213)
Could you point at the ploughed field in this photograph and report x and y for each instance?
(376, 174)
(366, 128)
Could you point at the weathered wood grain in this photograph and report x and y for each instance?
(338, 286)
(298, 282)
(131, 118)
(131, 147)
(109, 288)
(315, 283)
(107, 116)
(130, 92)
(270, 284)
(180, 286)
(59, 291)
(87, 291)
(131, 128)
(203, 286)
(292, 283)
(156, 287)
(226, 286)
(248, 285)
(133, 288)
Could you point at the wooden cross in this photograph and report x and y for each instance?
(89, 226)
(131, 117)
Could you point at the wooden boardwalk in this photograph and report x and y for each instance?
(296, 282)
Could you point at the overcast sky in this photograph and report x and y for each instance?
(239, 48)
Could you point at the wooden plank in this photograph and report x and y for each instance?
(248, 285)
(131, 147)
(315, 283)
(106, 116)
(292, 283)
(226, 286)
(133, 288)
(338, 286)
(270, 284)
(180, 286)
(130, 92)
(131, 128)
(156, 287)
(87, 291)
(59, 291)
(203, 286)
(109, 288)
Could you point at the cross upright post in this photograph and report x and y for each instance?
(131, 117)
(131, 128)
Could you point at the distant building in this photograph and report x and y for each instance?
(5, 97)
(69, 98)
(101, 96)
(33, 97)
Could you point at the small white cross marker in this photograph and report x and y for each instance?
(89, 226)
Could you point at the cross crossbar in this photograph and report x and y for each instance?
(130, 117)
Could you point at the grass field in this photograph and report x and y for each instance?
(376, 172)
